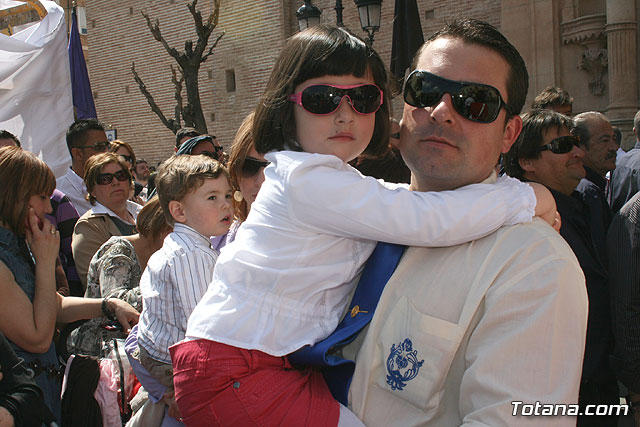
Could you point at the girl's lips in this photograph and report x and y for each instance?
(342, 136)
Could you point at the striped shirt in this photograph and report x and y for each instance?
(64, 217)
(175, 279)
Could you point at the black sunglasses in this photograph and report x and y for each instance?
(474, 101)
(107, 178)
(561, 144)
(127, 158)
(251, 167)
(98, 146)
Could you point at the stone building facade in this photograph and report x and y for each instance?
(588, 47)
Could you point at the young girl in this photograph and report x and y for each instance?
(286, 279)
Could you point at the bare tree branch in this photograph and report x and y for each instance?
(177, 82)
(204, 31)
(155, 31)
(215, 43)
(169, 123)
(188, 110)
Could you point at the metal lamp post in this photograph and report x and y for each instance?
(308, 15)
(368, 10)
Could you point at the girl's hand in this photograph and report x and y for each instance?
(125, 313)
(169, 399)
(44, 241)
(545, 204)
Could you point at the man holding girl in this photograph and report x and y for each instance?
(282, 283)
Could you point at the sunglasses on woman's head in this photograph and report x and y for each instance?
(561, 144)
(128, 159)
(107, 178)
(251, 167)
(474, 101)
(325, 99)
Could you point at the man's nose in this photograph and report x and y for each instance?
(443, 111)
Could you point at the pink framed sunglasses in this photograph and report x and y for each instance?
(325, 99)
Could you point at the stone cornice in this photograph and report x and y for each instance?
(621, 26)
(584, 29)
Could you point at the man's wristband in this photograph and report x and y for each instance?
(105, 310)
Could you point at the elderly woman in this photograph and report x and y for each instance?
(28, 250)
(108, 180)
(114, 272)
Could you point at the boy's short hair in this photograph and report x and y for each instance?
(179, 175)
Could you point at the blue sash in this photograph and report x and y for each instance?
(337, 371)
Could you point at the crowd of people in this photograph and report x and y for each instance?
(338, 267)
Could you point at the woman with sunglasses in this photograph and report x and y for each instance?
(108, 180)
(29, 246)
(285, 281)
(246, 173)
(246, 170)
(124, 150)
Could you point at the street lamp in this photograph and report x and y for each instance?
(308, 15)
(368, 10)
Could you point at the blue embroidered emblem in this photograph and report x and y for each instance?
(402, 364)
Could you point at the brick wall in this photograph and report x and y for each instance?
(254, 33)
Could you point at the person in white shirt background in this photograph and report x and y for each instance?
(85, 138)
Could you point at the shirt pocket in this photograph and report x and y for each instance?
(417, 351)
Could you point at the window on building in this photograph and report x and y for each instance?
(230, 76)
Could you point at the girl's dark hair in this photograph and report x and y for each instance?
(316, 52)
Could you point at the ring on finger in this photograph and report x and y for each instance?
(53, 230)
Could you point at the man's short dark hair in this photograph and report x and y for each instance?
(552, 97)
(534, 124)
(140, 160)
(77, 131)
(482, 33)
(185, 132)
(5, 134)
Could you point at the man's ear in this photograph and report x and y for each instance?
(76, 153)
(526, 165)
(176, 209)
(511, 132)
